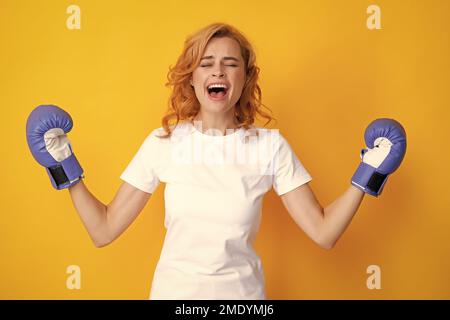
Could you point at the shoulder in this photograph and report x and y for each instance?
(159, 135)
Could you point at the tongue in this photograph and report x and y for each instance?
(219, 94)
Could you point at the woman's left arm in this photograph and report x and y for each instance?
(323, 226)
(386, 146)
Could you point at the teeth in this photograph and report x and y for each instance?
(217, 85)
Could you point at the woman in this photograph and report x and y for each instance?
(217, 166)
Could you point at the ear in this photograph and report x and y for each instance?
(190, 81)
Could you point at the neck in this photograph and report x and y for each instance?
(216, 124)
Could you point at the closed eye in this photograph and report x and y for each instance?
(227, 65)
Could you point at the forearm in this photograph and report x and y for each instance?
(338, 215)
(93, 213)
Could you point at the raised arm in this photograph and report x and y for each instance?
(105, 223)
(386, 147)
(47, 128)
(323, 226)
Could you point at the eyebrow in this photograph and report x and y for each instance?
(224, 58)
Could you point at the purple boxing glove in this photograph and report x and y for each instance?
(386, 142)
(47, 126)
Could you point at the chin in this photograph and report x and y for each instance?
(214, 106)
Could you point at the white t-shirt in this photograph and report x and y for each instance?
(213, 198)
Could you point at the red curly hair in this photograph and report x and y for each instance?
(183, 103)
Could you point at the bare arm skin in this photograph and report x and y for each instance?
(105, 223)
(323, 226)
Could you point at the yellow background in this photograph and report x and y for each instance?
(324, 74)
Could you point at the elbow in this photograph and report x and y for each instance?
(101, 237)
(324, 239)
(99, 244)
(325, 243)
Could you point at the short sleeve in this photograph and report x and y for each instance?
(141, 172)
(289, 172)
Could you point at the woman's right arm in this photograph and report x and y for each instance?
(105, 223)
(46, 130)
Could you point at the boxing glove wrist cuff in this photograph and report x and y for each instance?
(67, 173)
(369, 180)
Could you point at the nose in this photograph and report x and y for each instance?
(219, 72)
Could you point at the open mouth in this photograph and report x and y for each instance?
(217, 91)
